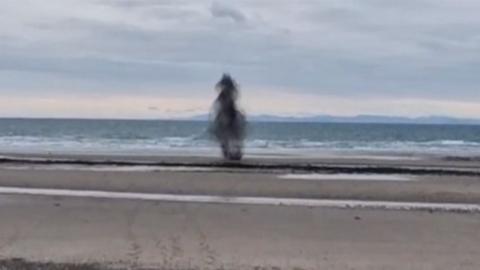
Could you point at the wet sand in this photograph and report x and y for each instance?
(222, 182)
(138, 234)
(122, 233)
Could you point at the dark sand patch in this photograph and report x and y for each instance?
(255, 166)
(21, 264)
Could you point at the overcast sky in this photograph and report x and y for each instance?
(161, 58)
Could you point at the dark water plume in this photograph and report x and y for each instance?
(229, 123)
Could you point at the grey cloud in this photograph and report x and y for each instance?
(137, 3)
(413, 48)
(220, 10)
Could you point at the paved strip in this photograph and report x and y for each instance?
(418, 206)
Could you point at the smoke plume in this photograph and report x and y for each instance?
(229, 123)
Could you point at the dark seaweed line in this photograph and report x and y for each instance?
(353, 169)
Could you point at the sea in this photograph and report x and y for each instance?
(164, 137)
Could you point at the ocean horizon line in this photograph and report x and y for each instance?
(356, 119)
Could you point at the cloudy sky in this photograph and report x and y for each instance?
(161, 58)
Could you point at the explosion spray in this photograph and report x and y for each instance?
(228, 126)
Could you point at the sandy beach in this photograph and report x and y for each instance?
(119, 212)
(239, 135)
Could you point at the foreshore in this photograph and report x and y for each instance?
(178, 212)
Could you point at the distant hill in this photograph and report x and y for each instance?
(355, 119)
